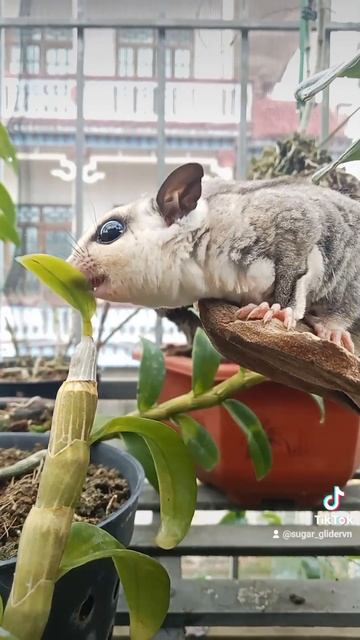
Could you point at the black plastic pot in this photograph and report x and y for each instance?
(28, 389)
(31, 388)
(85, 599)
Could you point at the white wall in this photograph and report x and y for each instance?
(38, 186)
(214, 55)
(99, 57)
(122, 183)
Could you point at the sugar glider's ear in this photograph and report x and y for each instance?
(180, 192)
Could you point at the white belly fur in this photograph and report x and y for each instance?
(252, 285)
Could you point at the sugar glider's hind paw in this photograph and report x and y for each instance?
(264, 312)
(331, 330)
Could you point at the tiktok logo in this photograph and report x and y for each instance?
(332, 501)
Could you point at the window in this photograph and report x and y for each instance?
(177, 63)
(178, 53)
(32, 59)
(14, 62)
(43, 229)
(58, 61)
(40, 52)
(136, 53)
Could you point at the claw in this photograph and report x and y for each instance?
(286, 316)
(270, 314)
(243, 312)
(259, 312)
(253, 311)
(347, 341)
(327, 330)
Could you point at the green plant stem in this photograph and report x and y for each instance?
(215, 396)
(23, 466)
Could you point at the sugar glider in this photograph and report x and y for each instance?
(280, 248)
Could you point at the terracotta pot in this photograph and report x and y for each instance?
(309, 458)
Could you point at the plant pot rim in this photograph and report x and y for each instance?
(11, 381)
(134, 496)
(183, 364)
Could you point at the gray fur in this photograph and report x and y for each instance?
(283, 220)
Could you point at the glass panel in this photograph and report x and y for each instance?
(59, 61)
(145, 62)
(182, 63)
(28, 214)
(136, 36)
(178, 37)
(30, 240)
(14, 61)
(32, 59)
(57, 214)
(57, 243)
(126, 62)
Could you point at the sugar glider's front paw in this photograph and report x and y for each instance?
(286, 316)
(253, 311)
(264, 312)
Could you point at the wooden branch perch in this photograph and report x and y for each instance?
(295, 358)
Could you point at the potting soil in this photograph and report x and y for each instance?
(104, 492)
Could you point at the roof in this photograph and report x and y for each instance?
(271, 119)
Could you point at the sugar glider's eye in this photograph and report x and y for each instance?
(110, 231)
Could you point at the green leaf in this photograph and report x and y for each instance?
(145, 582)
(319, 401)
(311, 86)
(8, 232)
(1, 609)
(199, 442)
(175, 471)
(234, 517)
(205, 363)
(65, 280)
(352, 153)
(151, 375)
(6, 204)
(258, 443)
(40, 428)
(98, 424)
(311, 568)
(138, 448)
(7, 151)
(272, 517)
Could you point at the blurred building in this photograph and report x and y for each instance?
(39, 76)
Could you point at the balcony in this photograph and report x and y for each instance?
(125, 101)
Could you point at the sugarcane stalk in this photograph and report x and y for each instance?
(47, 526)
